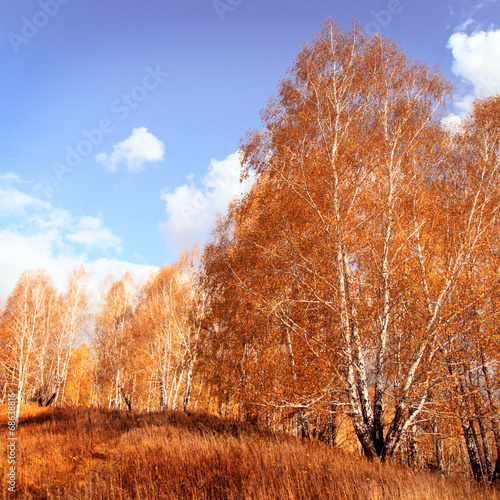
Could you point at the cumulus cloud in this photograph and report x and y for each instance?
(192, 208)
(15, 202)
(22, 251)
(101, 268)
(43, 250)
(141, 147)
(476, 59)
(35, 235)
(90, 233)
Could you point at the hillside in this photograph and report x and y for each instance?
(97, 454)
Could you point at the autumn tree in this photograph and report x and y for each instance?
(44, 381)
(26, 328)
(112, 343)
(472, 349)
(359, 230)
(73, 320)
(262, 353)
(166, 331)
(78, 387)
(40, 331)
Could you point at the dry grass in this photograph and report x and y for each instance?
(94, 454)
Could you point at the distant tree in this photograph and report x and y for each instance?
(112, 343)
(73, 319)
(166, 331)
(27, 330)
(78, 385)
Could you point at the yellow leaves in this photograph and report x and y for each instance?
(78, 388)
(354, 243)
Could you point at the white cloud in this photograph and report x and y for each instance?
(134, 152)
(56, 218)
(10, 178)
(477, 61)
(452, 122)
(35, 235)
(15, 202)
(469, 12)
(466, 24)
(192, 209)
(100, 269)
(92, 234)
(19, 252)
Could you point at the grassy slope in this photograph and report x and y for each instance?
(93, 454)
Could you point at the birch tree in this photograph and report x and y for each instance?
(113, 376)
(167, 329)
(73, 321)
(24, 322)
(364, 218)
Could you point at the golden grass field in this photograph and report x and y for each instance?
(85, 453)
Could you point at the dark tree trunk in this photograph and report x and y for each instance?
(328, 433)
(303, 423)
(474, 459)
(128, 400)
(486, 449)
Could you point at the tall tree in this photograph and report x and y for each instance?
(472, 349)
(73, 317)
(356, 237)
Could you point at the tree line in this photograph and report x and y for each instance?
(351, 295)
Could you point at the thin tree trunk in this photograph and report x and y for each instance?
(209, 398)
(474, 459)
(478, 448)
(439, 448)
(189, 386)
(303, 423)
(179, 382)
(486, 449)
(199, 393)
(413, 448)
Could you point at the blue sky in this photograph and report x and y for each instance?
(121, 119)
